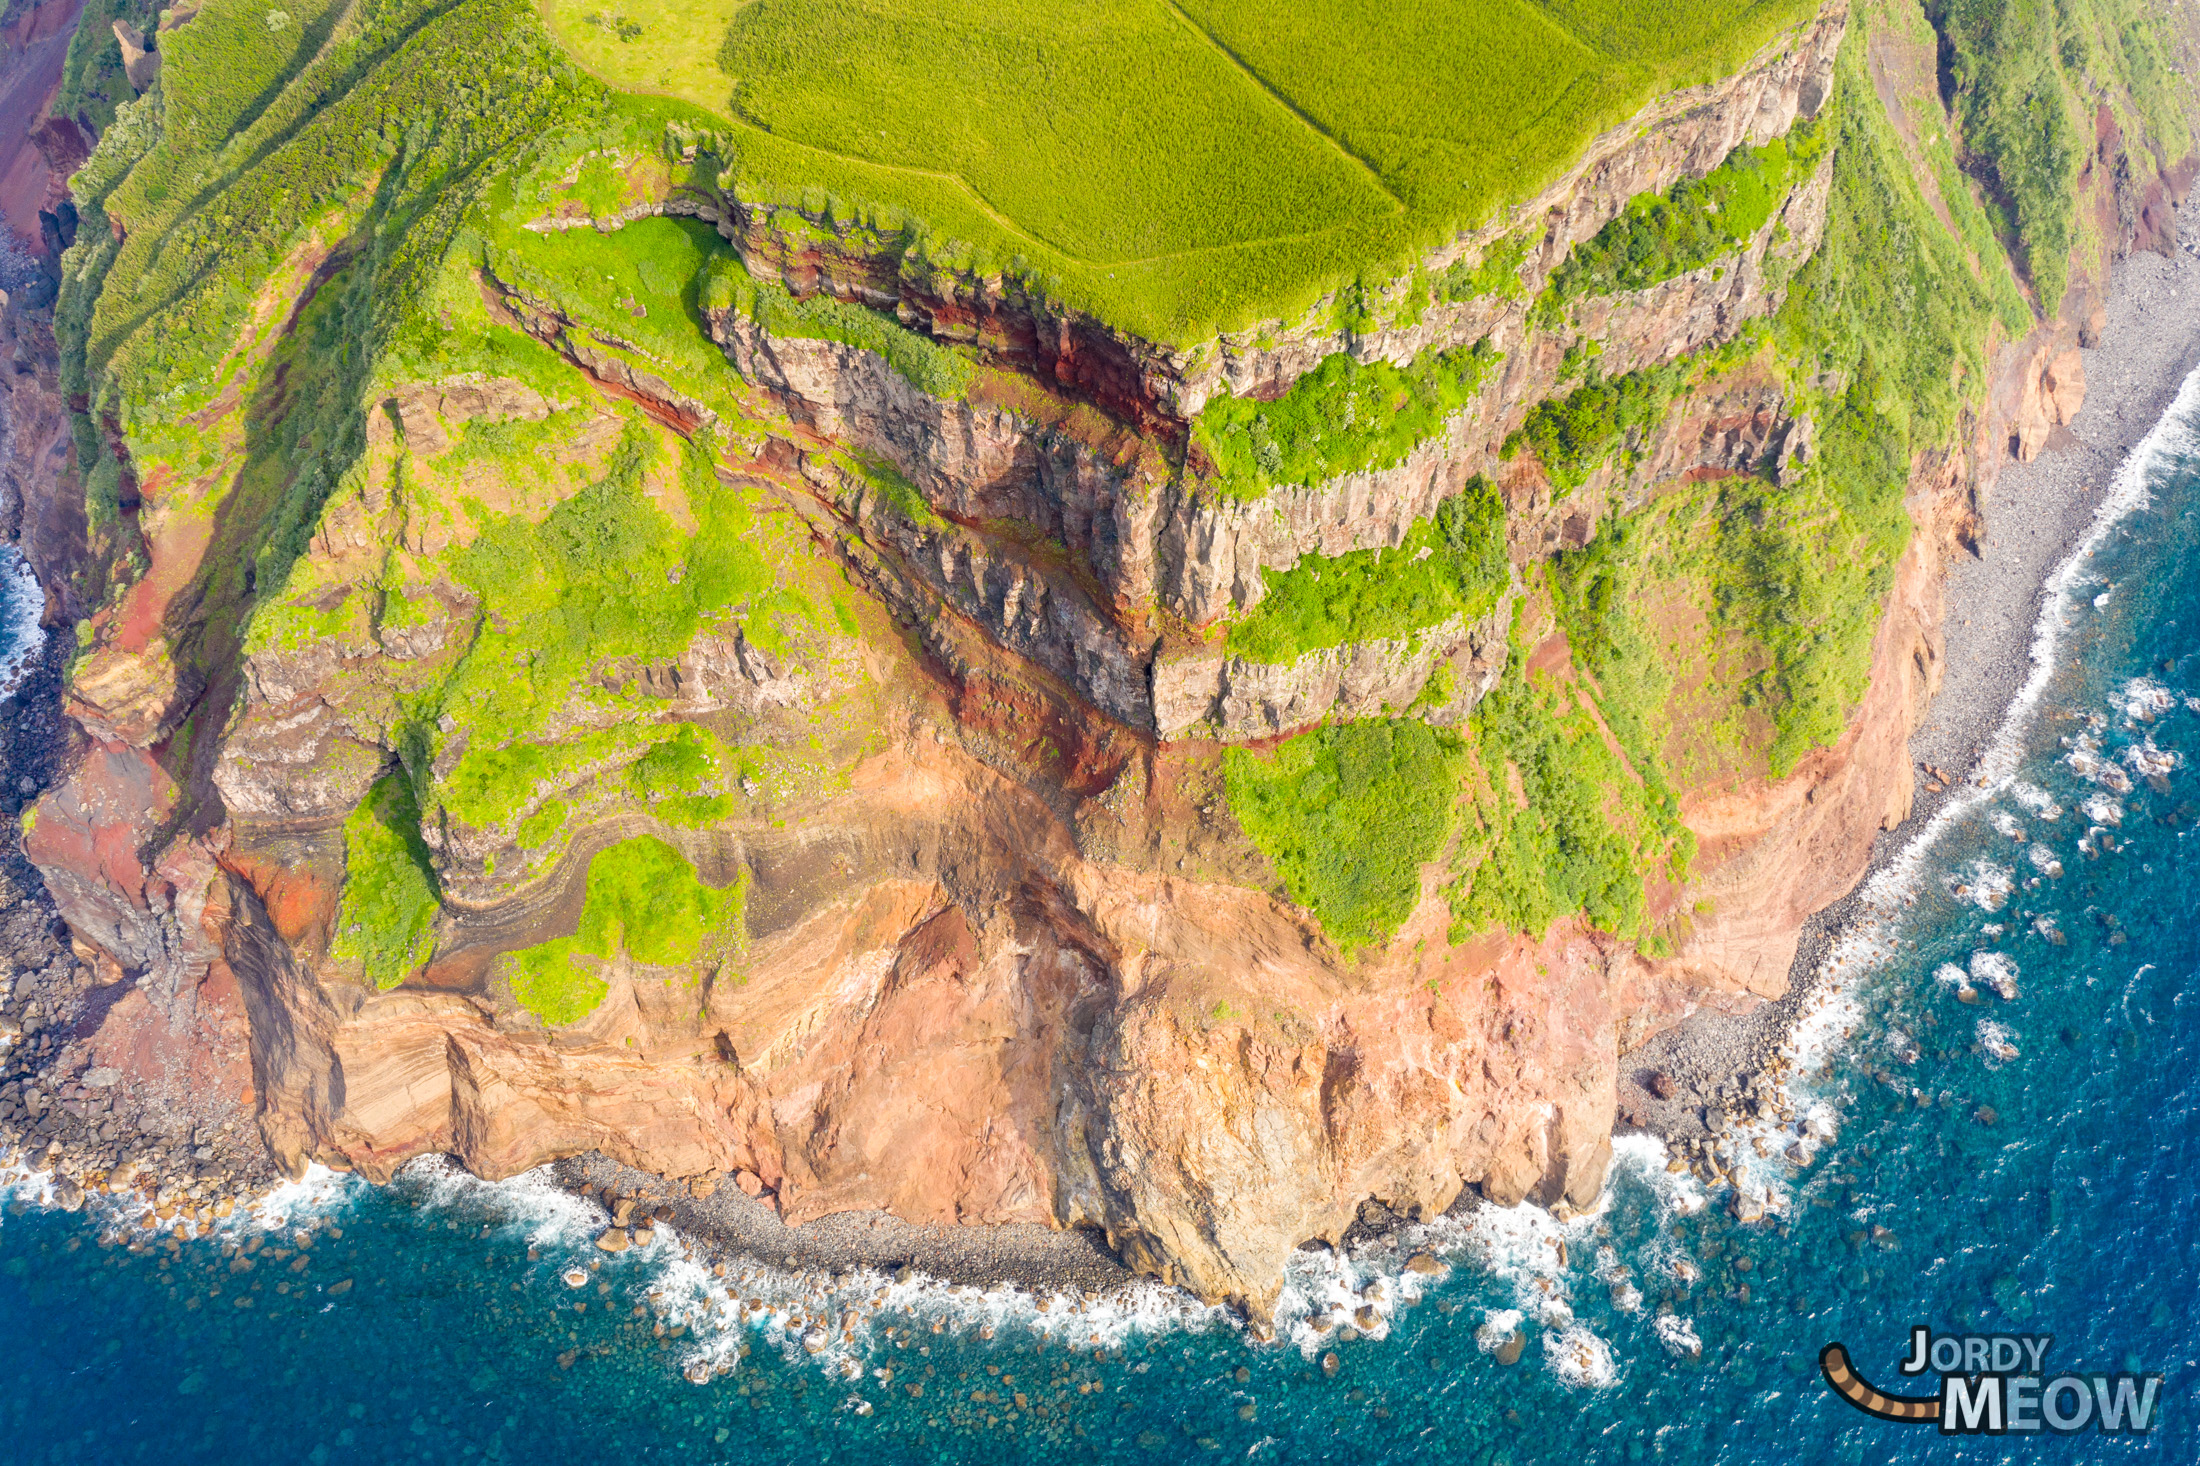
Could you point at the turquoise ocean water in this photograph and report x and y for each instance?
(1976, 1162)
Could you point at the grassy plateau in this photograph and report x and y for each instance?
(1173, 167)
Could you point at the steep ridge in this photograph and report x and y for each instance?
(582, 659)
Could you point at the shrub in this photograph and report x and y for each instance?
(386, 921)
(1586, 834)
(2016, 112)
(1574, 434)
(928, 366)
(1343, 417)
(1451, 564)
(1659, 236)
(1348, 815)
(643, 899)
(605, 575)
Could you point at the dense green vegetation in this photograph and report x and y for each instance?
(1343, 417)
(1024, 137)
(1578, 433)
(1348, 815)
(1727, 627)
(1556, 822)
(1882, 338)
(1573, 435)
(2027, 75)
(644, 899)
(386, 922)
(1450, 565)
(605, 574)
(388, 118)
(635, 294)
(360, 135)
(1497, 272)
(1659, 236)
(1578, 832)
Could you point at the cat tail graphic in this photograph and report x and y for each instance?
(1850, 1386)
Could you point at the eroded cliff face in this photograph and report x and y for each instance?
(1006, 952)
(1163, 550)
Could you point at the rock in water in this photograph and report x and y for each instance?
(613, 1240)
(1509, 1352)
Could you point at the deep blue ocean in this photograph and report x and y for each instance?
(1975, 1162)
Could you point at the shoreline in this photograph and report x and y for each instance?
(2036, 518)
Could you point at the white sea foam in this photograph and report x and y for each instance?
(2103, 809)
(2045, 861)
(2086, 762)
(2150, 762)
(2145, 699)
(1997, 1041)
(1996, 970)
(295, 1203)
(1678, 1334)
(1984, 883)
(856, 1324)
(2006, 824)
(22, 603)
(2033, 797)
(1498, 1325)
(1948, 975)
(1577, 1356)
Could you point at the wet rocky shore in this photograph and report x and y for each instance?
(60, 1113)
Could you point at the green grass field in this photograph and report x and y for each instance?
(1173, 167)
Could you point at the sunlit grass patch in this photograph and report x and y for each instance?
(643, 899)
(1175, 167)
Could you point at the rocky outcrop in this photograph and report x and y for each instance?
(140, 62)
(1237, 698)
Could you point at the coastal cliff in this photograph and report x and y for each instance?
(576, 652)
